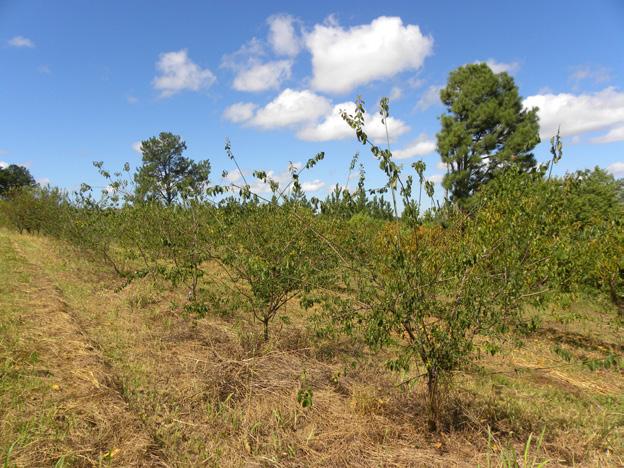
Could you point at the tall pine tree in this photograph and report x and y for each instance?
(484, 129)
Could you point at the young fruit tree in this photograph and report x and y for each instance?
(435, 294)
(271, 250)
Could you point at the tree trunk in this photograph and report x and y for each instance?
(195, 278)
(432, 395)
(266, 329)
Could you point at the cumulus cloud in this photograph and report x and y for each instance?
(21, 41)
(249, 52)
(4, 164)
(177, 72)
(499, 67)
(615, 134)
(283, 37)
(617, 168)
(421, 146)
(345, 58)
(289, 108)
(240, 112)
(262, 76)
(429, 98)
(333, 126)
(313, 185)
(253, 72)
(581, 113)
(136, 146)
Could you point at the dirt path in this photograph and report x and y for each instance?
(94, 422)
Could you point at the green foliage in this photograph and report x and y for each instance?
(510, 458)
(594, 222)
(392, 170)
(485, 128)
(343, 203)
(36, 209)
(166, 174)
(14, 177)
(272, 254)
(429, 292)
(304, 394)
(436, 289)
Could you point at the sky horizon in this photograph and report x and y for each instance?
(86, 81)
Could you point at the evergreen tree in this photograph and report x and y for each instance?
(166, 173)
(485, 128)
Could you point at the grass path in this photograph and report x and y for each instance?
(66, 406)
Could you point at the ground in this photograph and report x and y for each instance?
(95, 373)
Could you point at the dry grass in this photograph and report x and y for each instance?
(126, 378)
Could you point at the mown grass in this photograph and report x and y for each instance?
(27, 412)
(208, 392)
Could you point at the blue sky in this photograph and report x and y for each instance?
(83, 81)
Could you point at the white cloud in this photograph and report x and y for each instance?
(499, 67)
(436, 178)
(615, 134)
(345, 58)
(421, 146)
(240, 112)
(232, 177)
(179, 73)
(313, 185)
(580, 113)
(283, 179)
(132, 99)
(253, 72)
(262, 76)
(247, 54)
(395, 93)
(44, 69)
(136, 146)
(21, 41)
(4, 164)
(333, 126)
(429, 98)
(289, 108)
(585, 72)
(617, 168)
(441, 165)
(282, 35)
(43, 181)
(415, 82)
